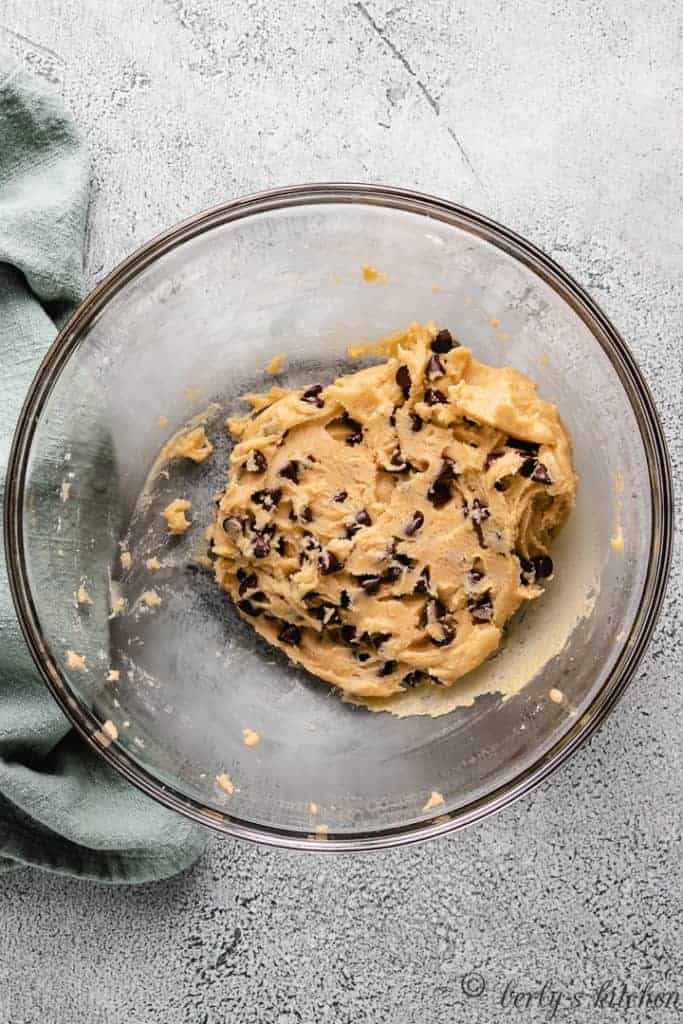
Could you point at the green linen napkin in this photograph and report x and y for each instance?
(61, 807)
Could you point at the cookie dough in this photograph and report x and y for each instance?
(174, 514)
(383, 529)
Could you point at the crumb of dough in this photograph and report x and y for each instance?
(82, 595)
(373, 276)
(113, 675)
(153, 564)
(75, 661)
(321, 831)
(107, 734)
(436, 289)
(617, 541)
(435, 800)
(251, 738)
(226, 783)
(312, 808)
(556, 696)
(151, 598)
(65, 490)
(126, 559)
(194, 444)
(275, 365)
(174, 514)
(163, 421)
(495, 323)
(383, 529)
(117, 606)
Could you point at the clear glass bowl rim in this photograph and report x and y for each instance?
(661, 496)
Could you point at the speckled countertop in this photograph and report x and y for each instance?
(562, 121)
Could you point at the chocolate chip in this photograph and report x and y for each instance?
(481, 609)
(404, 381)
(522, 446)
(361, 655)
(397, 463)
(469, 422)
(248, 608)
(440, 492)
(447, 636)
(527, 467)
(392, 419)
(412, 679)
(248, 582)
(478, 512)
(340, 496)
(241, 575)
(404, 560)
(387, 668)
(435, 609)
(232, 525)
(416, 423)
(434, 368)
(261, 545)
(356, 435)
(256, 463)
(491, 458)
(281, 546)
(443, 342)
(393, 573)
(475, 575)
(290, 471)
(433, 396)
(290, 634)
(501, 485)
(306, 514)
(329, 563)
(259, 596)
(527, 572)
(326, 613)
(359, 520)
(543, 565)
(377, 639)
(348, 634)
(370, 584)
(344, 599)
(423, 582)
(541, 475)
(268, 498)
(312, 395)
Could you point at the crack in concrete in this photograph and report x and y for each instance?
(433, 103)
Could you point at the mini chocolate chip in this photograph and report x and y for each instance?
(292, 516)
(312, 395)
(241, 575)
(436, 609)
(248, 608)
(387, 668)
(414, 525)
(447, 637)
(439, 493)
(340, 496)
(356, 435)
(329, 563)
(268, 498)
(370, 584)
(423, 582)
(281, 546)
(361, 655)
(344, 599)
(469, 422)
(348, 633)
(491, 458)
(290, 634)
(232, 525)
(261, 545)
(541, 475)
(404, 381)
(256, 463)
(527, 570)
(290, 471)
(527, 467)
(543, 564)
(392, 419)
(481, 609)
(412, 679)
(248, 582)
(479, 512)
(443, 342)
(434, 368)
(393, 573)
(522, 446)
(416, 422)
(306, 514)
(501, 485)
(363, 518)
(475, 575)
(433, 396)
(377, 639)
(259, 596)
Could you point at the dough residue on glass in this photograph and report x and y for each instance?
(383, 529)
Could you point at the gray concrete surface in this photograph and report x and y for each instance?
(563, 121)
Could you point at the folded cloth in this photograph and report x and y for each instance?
(61, 807)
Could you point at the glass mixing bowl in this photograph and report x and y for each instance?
(184, 327)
